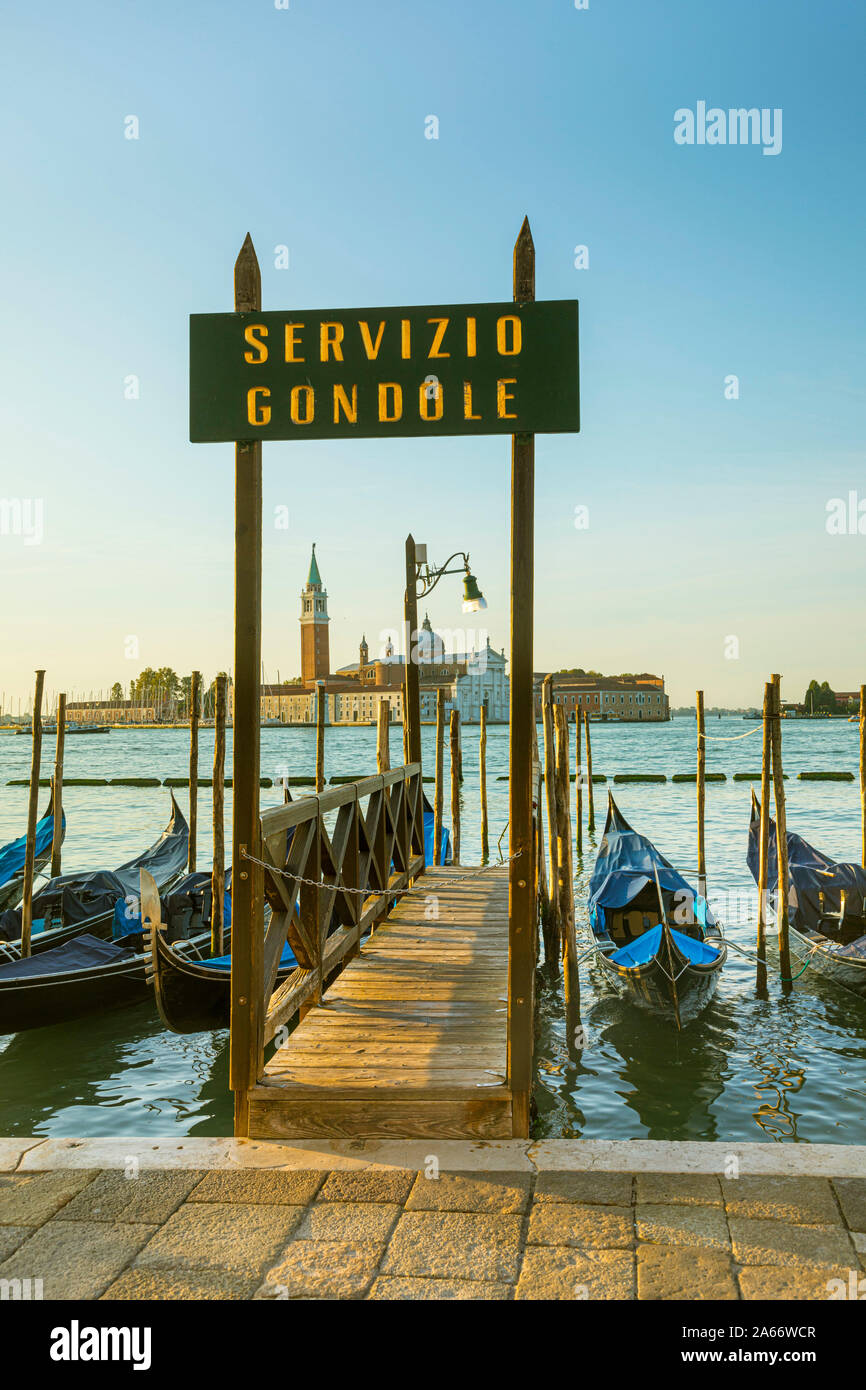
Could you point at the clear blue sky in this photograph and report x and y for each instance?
(306, 127)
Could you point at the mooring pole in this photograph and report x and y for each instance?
(218, 872)
(565, 879)
(194, 699)
(781, 835)
(551, 922)
(455, 784)
(439, 791)
(578, 787)
(482, 784)
(383, 749)
(701, 780)
(522, 912)
(320, 735)
(411, 675)
(590, 824)
(32, 814)
(247, 972)
(764, 842)
(57, 788)
(863, 775)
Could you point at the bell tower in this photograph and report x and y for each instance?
(364, 652)
(315, 654)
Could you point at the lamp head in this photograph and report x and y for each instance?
(473, 599)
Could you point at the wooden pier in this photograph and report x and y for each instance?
(411, 1040)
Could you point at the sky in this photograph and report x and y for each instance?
(706, 555)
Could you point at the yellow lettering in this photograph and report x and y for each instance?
(467, 402)
(393, 410)
(258, 414)
(502, 336)
(342, 402)
(260, 348)
(308, 395)
(425, 396)
(504, 397)
(405, 338)
(292, 344)
(371, 348)
(437, 338)
(330, 338)
(470, 337)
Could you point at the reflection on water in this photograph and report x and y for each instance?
(784, 1069)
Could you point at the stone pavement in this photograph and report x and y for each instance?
(250, 1226)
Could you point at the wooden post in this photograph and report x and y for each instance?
(194, 700)
(701, 780)
(578, 786)
(781, 835)
(482, 780)
(218, 873)
(764, 843)
(383, 748)
(320, 735)
(455, 786)
(522, 908)
(540, 869)
(551, 925)
(439, 793)
(565, 872)
(57, 787)
(411, 675)
(32, 815)
(247, 973)
(590, 824)
(863, 775)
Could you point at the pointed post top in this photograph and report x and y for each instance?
(248, 279)
(524, 265)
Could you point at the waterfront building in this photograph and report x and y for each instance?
(624, 699)
(109, 712)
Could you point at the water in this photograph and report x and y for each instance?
(786, 1069)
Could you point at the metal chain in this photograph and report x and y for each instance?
(378, 892)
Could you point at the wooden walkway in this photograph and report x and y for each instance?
(411, 1038)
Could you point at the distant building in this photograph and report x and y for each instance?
(628, 699)
(109, 712)
(315, 651)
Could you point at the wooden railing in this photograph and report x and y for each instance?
(336, 885)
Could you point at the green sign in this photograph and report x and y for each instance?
(374, 373)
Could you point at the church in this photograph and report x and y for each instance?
(353, 693)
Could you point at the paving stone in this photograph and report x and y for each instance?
(859, 1239)
(368, 1185)
(775, 1243)
(682, 1225)
(503, 1192)
(11, 1237)
(30, 1200)
(781, 1285)
(194, 1285)
(150, 1197)
(799, 1201)
(679, 1189)
(672, 1272)
(76, 1259)
(418, 1290)
(241, 1239)
(852, 1199)
(455, 1245)
(323, 1269)
(586, 1189)
(583, 1227)
(266, 1187)
(348, 1221)
(562, 1273)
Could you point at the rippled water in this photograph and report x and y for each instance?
(782, 1068)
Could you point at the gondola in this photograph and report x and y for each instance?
(95, 903)
(87, 974)
(654, 936)
(826, 905)
(12, 857)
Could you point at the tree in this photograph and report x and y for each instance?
(820, 699)
(116, 692)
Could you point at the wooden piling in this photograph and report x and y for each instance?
(551, 926)
(218, 872)
(383, 749)
(57, 788)
(781, 835)
(439, 794)
(482, 781)
(764, 843)
(701, 783)
(32, 816)
(590, 824)
(863, 775)
(578, 787)
(565, 872)
(455, 785)
(542, 889)
(194, 700)
(320, 735)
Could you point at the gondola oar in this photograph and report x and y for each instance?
(666, 932)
